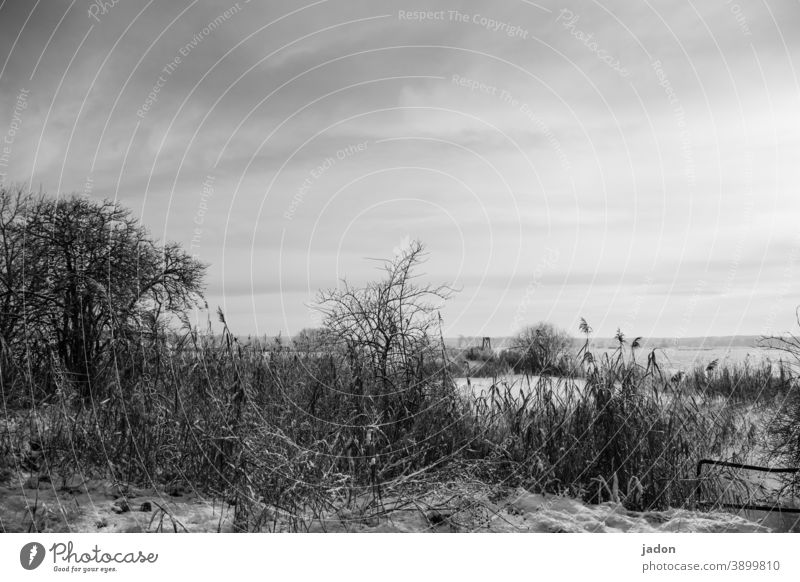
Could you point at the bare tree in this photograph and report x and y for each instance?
(81, 274)
(387, 327)
(12, 218)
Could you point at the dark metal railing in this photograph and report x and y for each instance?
(749, 506)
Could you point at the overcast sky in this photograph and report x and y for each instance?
(633, 163)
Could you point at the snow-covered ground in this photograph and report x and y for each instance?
(99, 506)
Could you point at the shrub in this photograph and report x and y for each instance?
(543, 349)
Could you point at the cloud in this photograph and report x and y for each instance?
(491, 147)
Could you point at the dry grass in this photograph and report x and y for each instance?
(292, 440)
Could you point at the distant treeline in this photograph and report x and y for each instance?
(729, 341)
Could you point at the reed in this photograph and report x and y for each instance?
(288, 439)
